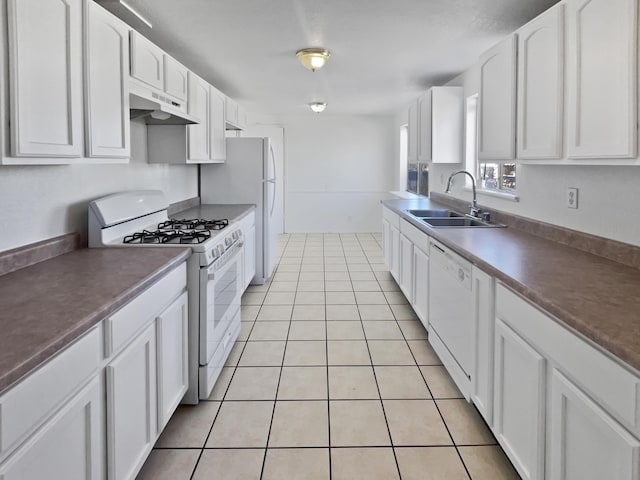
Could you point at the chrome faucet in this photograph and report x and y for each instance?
(474, 211)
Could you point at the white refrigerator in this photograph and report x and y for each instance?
(248, 176)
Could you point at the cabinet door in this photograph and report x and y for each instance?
(412, 133)
(70, 446)
(541, 86)
(421, 285)
(406, 267)
(498, 102)
(424, 123)
(45, 65)
(242, 117)
(231, 111)
(519, 415)
(386, 243)
(147, 61)
(394, 251)
(172, 364)
(217, 126)
(198, 146)
(131, 406)
(175, 78)
(447, 124)
(602, 78)
(484, 321)
(107, 74)
(585, 442)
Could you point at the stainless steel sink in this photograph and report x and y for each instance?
(443, 217)
(458, 222)
(442, 212)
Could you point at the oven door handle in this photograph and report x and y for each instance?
(232, 258)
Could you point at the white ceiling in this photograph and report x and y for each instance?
(384, 52)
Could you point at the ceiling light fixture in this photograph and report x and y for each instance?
(318, 106)
(313, 58)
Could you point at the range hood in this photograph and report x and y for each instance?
(126, 13)
(156, 108)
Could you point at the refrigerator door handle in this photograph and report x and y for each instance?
(273, 161)
(275, 176)
(273, 200)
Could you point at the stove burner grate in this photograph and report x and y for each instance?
(144, 236)
(169, 236)
(193, 224)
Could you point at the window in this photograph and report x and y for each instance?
(417, 173)
(496, 176)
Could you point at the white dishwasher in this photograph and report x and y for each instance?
(451, 313)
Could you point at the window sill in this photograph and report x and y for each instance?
(405, 195)
(496, 194)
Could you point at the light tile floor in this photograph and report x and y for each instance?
(332, 378)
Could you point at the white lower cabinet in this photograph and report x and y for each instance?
(585, 443)
(519, 416)
(96, 409)
(421, 284)
(391, 241)
(405, 271)
(484, 335)
(131, 406)
(173, 355)
(589, 427)
(69, 446)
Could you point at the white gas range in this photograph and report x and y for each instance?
(214, 271)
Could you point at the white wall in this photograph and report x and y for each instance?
(608, 195)
(41, 202)
(337, 169)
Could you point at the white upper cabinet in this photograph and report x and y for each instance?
(217, 125)
(441, 120)
(541, 86)
(198, 135)
(175, 78)
(45, 64)
(235, 115)
(107, 86)
(602, 78)
(424, 125)
(497, 129)
(412, 133)
(147, 61)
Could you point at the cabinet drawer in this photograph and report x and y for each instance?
(122, 325)
(417, 236)
(391, 217)
(609, 383)
(33, 400)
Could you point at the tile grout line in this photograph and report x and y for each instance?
(275, 400)
(375, 377)
(326, 348)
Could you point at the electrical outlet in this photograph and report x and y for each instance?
(572, 197)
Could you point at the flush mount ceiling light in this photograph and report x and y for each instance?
(313, 58)
(318, 106)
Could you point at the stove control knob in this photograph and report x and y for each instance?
(228, 241)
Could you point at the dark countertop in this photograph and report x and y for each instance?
(232, 212)
(47, 306)
(597, 297)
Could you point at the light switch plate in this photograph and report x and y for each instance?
(572, 197)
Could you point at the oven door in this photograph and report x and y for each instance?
(220, 292)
